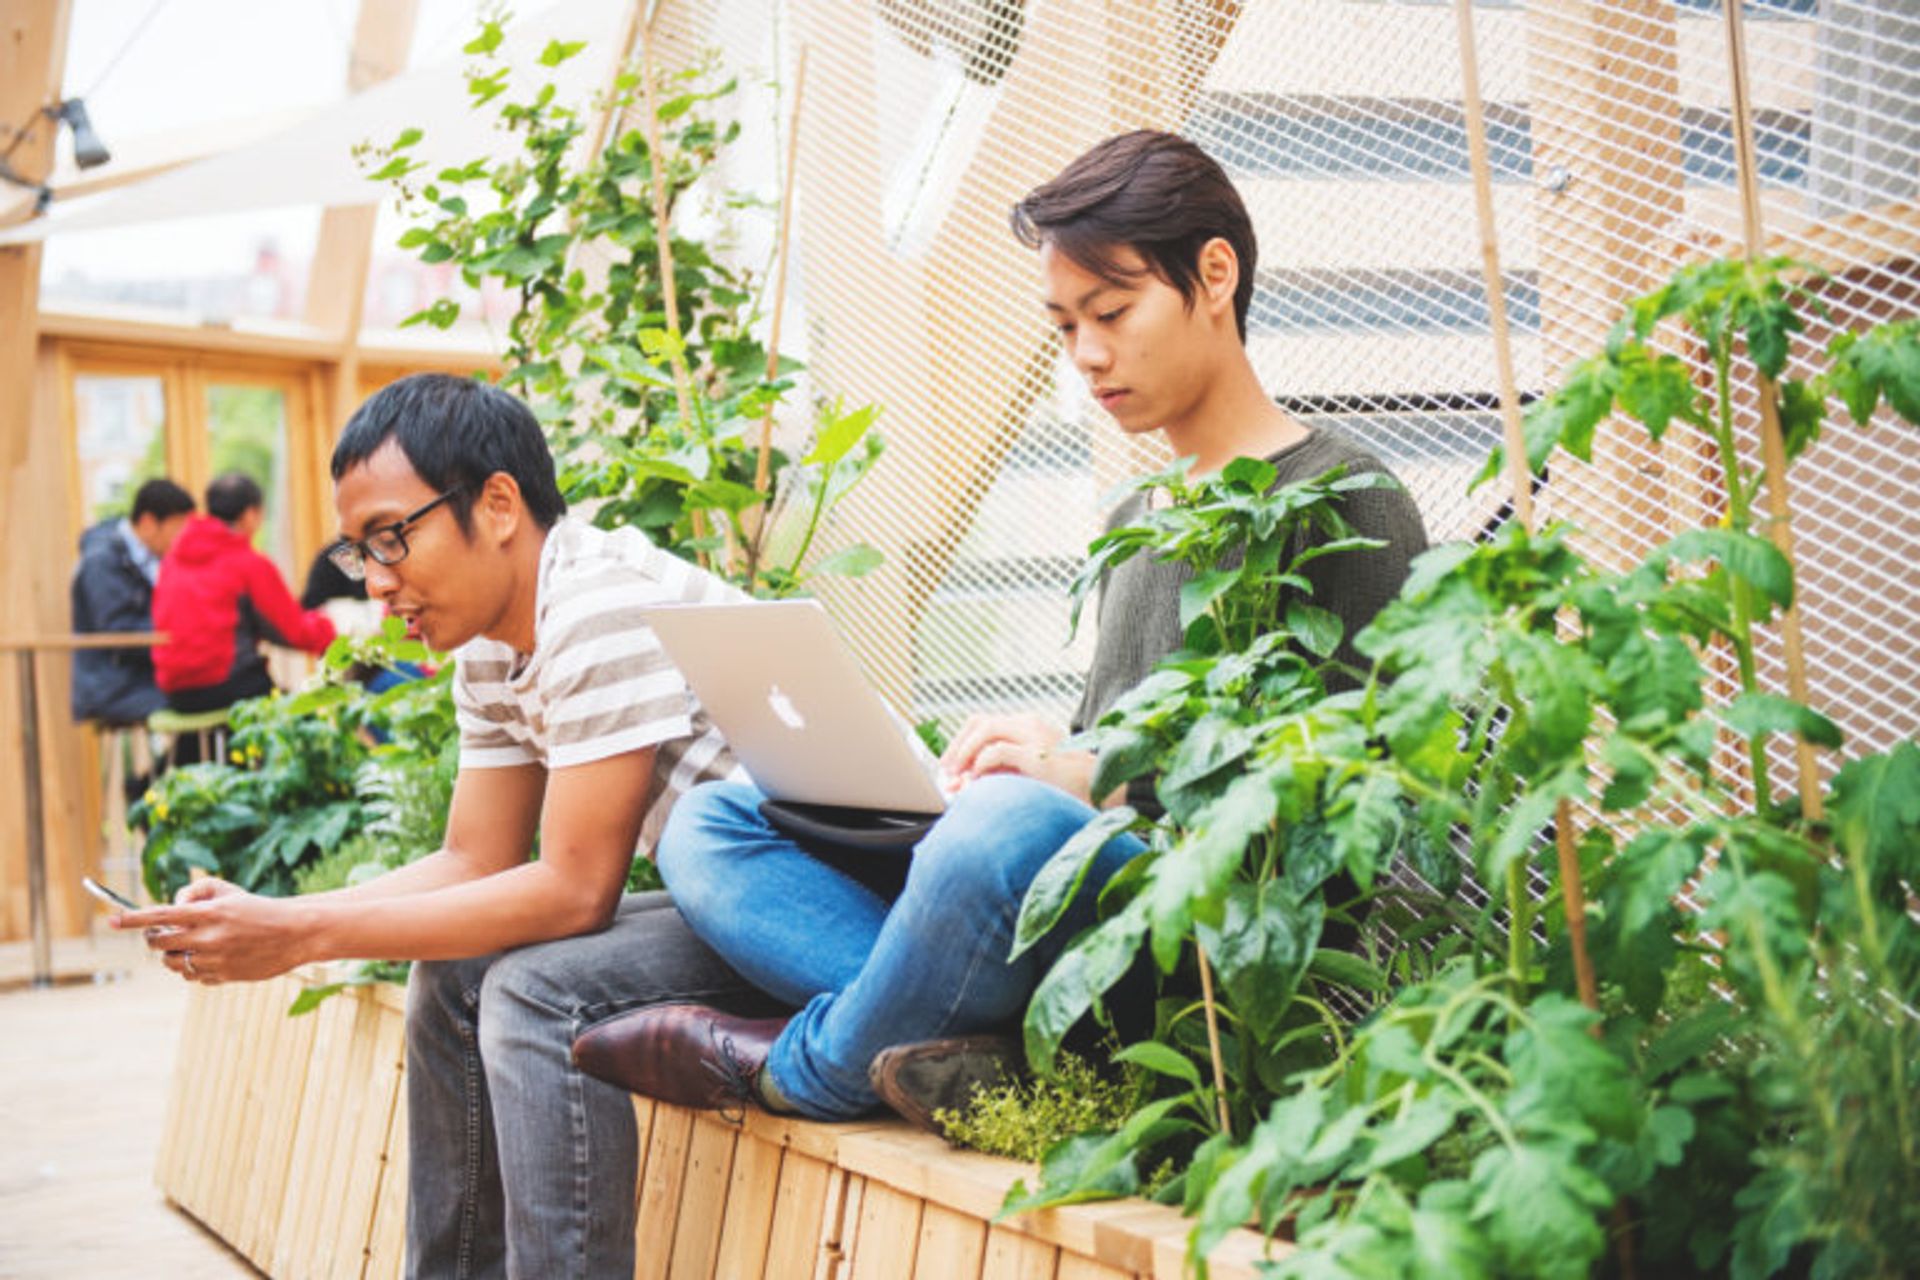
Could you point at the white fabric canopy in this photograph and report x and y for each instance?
(312, 163)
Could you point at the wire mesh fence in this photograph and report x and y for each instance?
(1611, 134)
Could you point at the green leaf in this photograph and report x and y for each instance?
(1125, 754)
(1060, 879)
(1318, 630)
(1802, 413)
(1343, 969)
(1091, 964)
(1078, 1170)
(851, 562)
(1412, 1130)
(1162, 1060)
(1253, 474)
(1261, 949)
(1199, 593)
(840, 432)
(1656, 390)
(1541, 1210)
(1745, 555)
(1755, 714)
(558, 51)
(407, 138)
(1193, 878)
(311, 997)
(1775, 1216)
(487, 41)
(1876, 816)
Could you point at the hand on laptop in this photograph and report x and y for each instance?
(1023, 744)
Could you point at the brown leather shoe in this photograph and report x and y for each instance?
(687, 1054)
(926, 1076)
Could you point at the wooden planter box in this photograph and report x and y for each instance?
(287, 1138)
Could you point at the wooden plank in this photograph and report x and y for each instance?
(953, 1245)
(889, 1236)
(1235, 1258)
(703, 1198)
(378, 1099)
(307, 1190)
(291, 1082)
(799, 1211)
(387, 1240)
(839, 1226)
(1075, 1267)
(177, 1136)
(752, 1192)
(1013, 1256)
(660, 1187)
(33, 52)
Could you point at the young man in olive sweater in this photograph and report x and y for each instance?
(1147, 266)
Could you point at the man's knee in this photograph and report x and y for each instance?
(996, 835)
(705, 823)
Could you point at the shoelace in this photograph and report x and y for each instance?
(734, 1076)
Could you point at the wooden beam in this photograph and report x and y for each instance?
(33, 485)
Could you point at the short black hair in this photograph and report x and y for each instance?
(161, 499)
(1155, 193)
(232, 494)
(455, 432)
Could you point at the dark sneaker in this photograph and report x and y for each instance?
(919, 1079)
(687, 1054)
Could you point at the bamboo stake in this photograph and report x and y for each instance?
(603, 119)
(763, 462)
(1520, 475)
(662, 230)
(1213, 1038)
(1773, 447)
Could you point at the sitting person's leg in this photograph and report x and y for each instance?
(939, 966)
(518, 1156)
(936, 964)
(789, 922)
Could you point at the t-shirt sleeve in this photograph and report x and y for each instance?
(484, 740)
(607, 684)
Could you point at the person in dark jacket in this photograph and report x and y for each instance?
(112, 590)
(218, 598)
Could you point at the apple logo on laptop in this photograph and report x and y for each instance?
(783, 708)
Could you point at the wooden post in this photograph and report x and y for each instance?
(343, 251)
(33, 483)
(1773, 449)
(1519, 474)
(763, 459)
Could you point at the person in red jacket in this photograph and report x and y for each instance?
(218, 598)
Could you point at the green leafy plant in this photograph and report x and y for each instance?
(1744, 1102)
(657, 401)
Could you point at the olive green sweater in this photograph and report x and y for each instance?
(1139, 610)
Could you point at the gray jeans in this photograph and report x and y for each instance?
(518, 1164)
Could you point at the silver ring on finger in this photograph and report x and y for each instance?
(186, 961)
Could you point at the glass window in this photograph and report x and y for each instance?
(120, 439)
(247, 431)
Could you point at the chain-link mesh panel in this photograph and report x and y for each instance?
(1611, 135)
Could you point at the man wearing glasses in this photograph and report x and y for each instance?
(575, 730)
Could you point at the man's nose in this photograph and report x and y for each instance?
(1090, 354)
(381, 580)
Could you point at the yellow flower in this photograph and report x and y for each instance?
(160, 810)
(237, 756)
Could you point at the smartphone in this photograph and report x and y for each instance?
(106, 895)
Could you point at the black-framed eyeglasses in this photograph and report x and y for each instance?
(386, 545)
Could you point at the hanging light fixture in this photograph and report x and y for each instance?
(88, 151)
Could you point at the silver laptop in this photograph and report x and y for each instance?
(796, 707)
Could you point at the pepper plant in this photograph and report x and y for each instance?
(1744, 1101)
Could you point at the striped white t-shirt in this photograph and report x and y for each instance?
(598, 682)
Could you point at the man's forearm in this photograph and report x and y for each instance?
(532, 902)
(437, 870)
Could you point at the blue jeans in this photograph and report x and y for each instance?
(518, 1163)
(869, 973)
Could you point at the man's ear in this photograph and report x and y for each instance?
(1219, 268)
(500, 508)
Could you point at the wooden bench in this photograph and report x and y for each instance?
(287, 1138)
